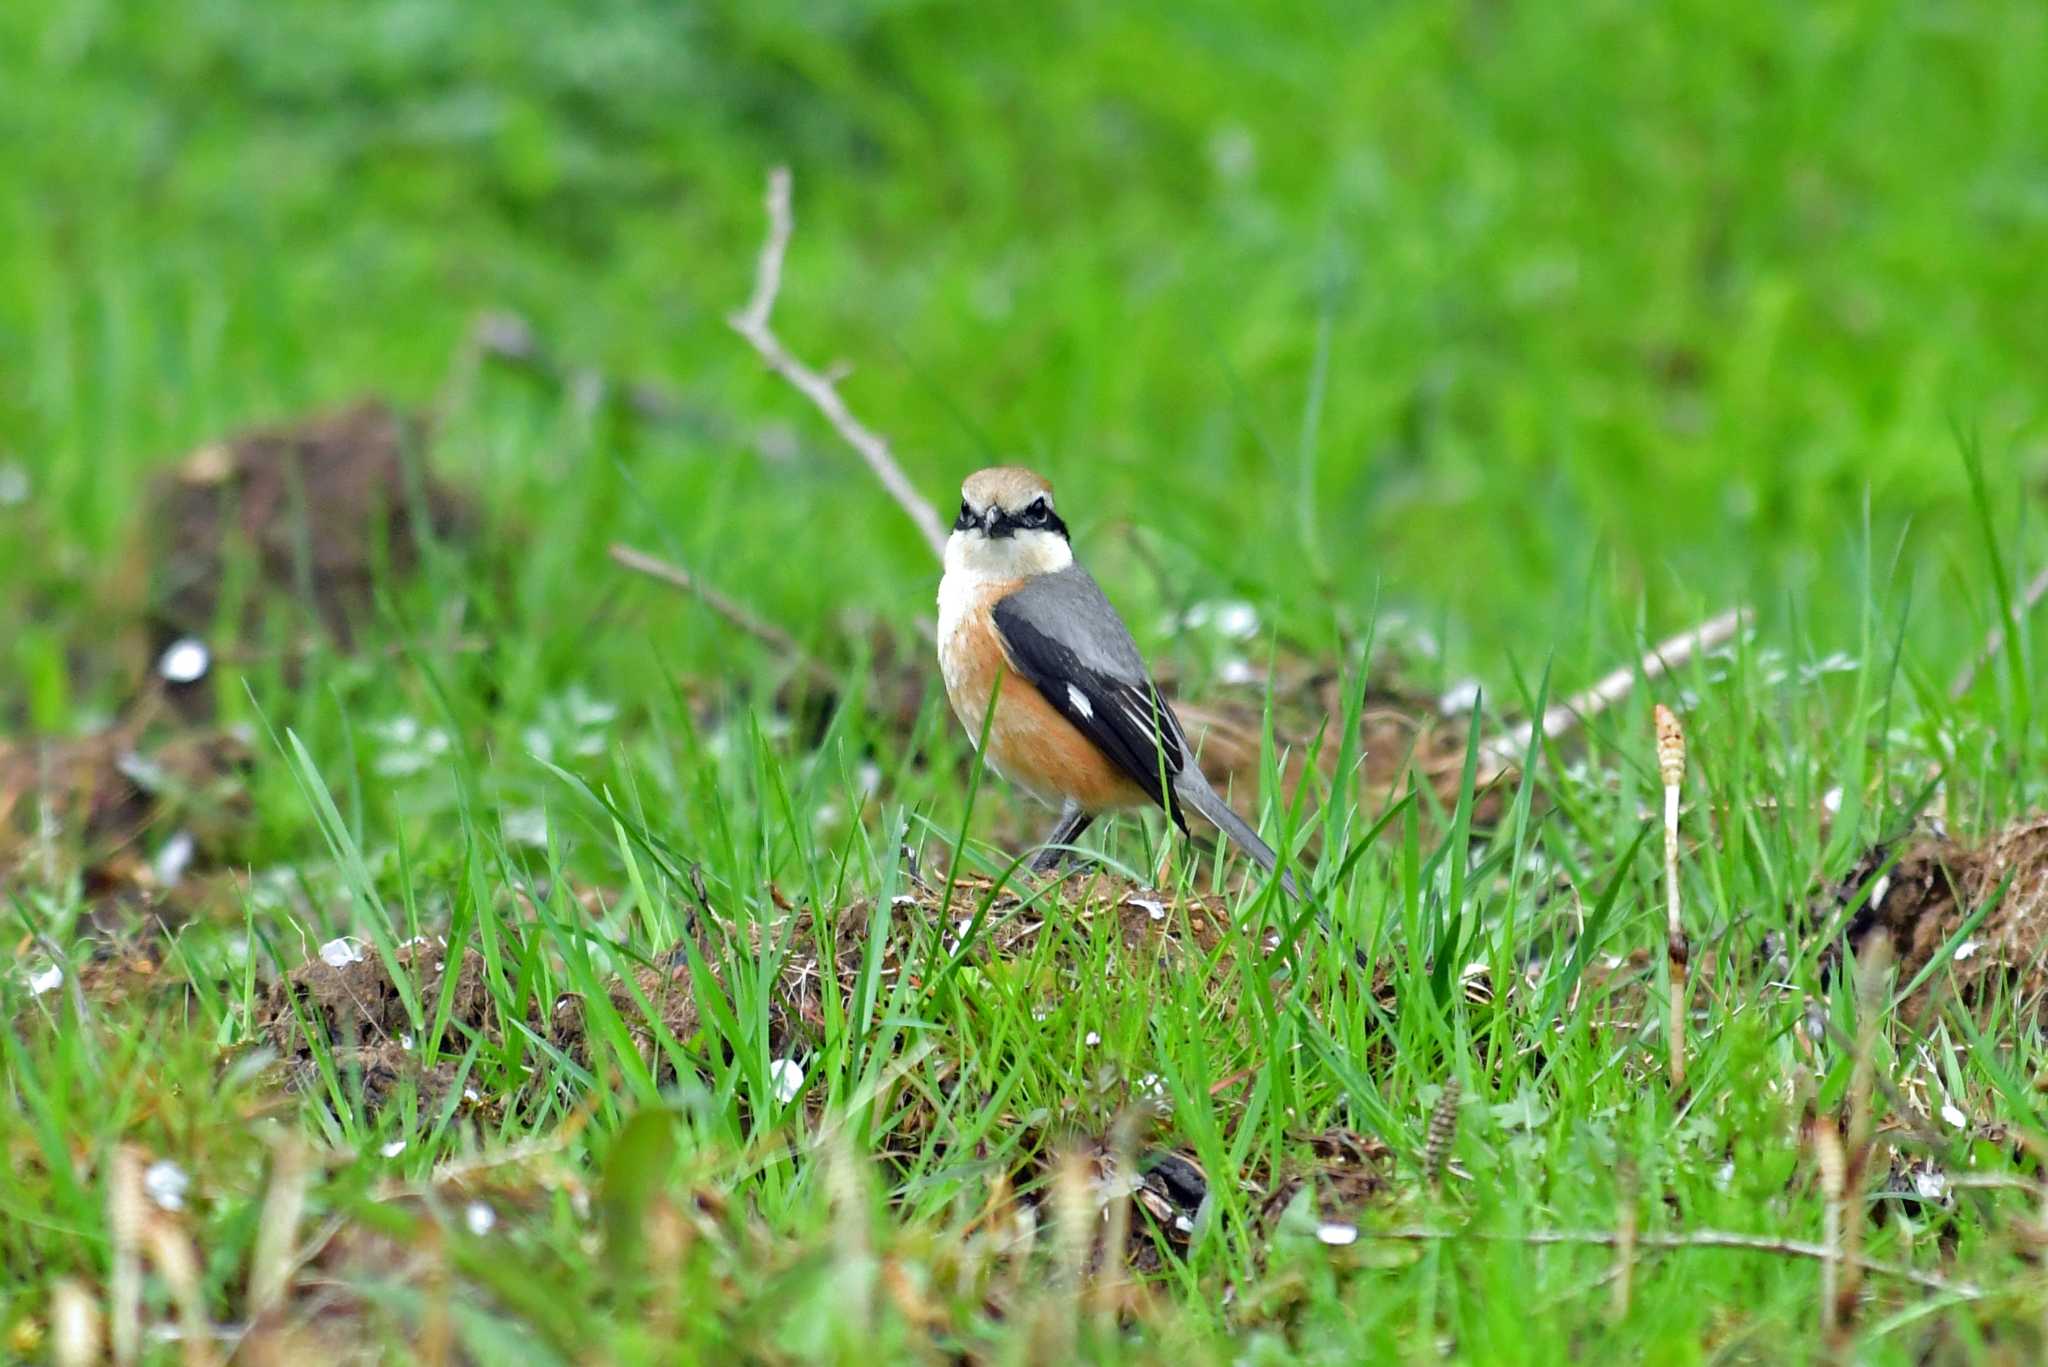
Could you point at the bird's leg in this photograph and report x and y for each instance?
(1073, 821)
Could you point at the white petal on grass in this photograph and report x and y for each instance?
(585, 710)
(1239, 621)
(1091, 1039)
(166, 1184)
(1832, 800)
(144, 773)
(1336, 1233)
(1954, 1115)
(1459, 699)
(184, 661)
(1931, 1185)
(1967, 948)
(398, 731)
(393, 1149)
(1238, 670)
(1155, 910)
(537, 743)
(527, 826)
(173, 859)
(480, 1218)
(786, 1076)
(46, 979)
(341, 953)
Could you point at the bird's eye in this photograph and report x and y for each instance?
(966, 518)
(1037, 511)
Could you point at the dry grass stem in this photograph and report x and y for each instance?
(752, 323)
(127, 1215)
(1677, 952)
(1443, 1130)
(76, 1337)
(1827, 1150)
(271, 1264)
(172, 1251)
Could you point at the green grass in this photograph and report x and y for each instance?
(1505, 337)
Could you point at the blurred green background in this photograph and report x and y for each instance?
(1496, 311)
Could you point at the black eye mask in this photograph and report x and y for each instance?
(1037, 517)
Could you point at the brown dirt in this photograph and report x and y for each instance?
(1929, 895)
(324, 505)
(1401, 733)
(96, 804)
(361, 1018)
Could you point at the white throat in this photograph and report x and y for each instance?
(974, 560)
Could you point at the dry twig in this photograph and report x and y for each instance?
(752, 323)
(1698, 1238)
(770, 635)
(1506, 751)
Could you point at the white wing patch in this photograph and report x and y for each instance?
(1080, 701)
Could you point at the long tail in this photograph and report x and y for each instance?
(1203, 800)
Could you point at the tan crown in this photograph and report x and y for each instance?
(1009, 487)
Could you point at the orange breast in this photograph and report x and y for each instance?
(1029, 742)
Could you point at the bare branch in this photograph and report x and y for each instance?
(752, 323)
(1667, 655)
(770, 635)
(1698, 1238)
(1994, 640)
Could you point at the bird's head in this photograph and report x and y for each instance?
(1007, 527)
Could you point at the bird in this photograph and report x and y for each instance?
(1078, 722)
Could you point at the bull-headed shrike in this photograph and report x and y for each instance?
(1078, 722)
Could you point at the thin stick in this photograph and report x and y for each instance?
(752, 323)
(1994, 640)
(770, 635)
(1589, 703)
(1699, 1238)
(1677, 953)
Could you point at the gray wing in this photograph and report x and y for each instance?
(1062, 636)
